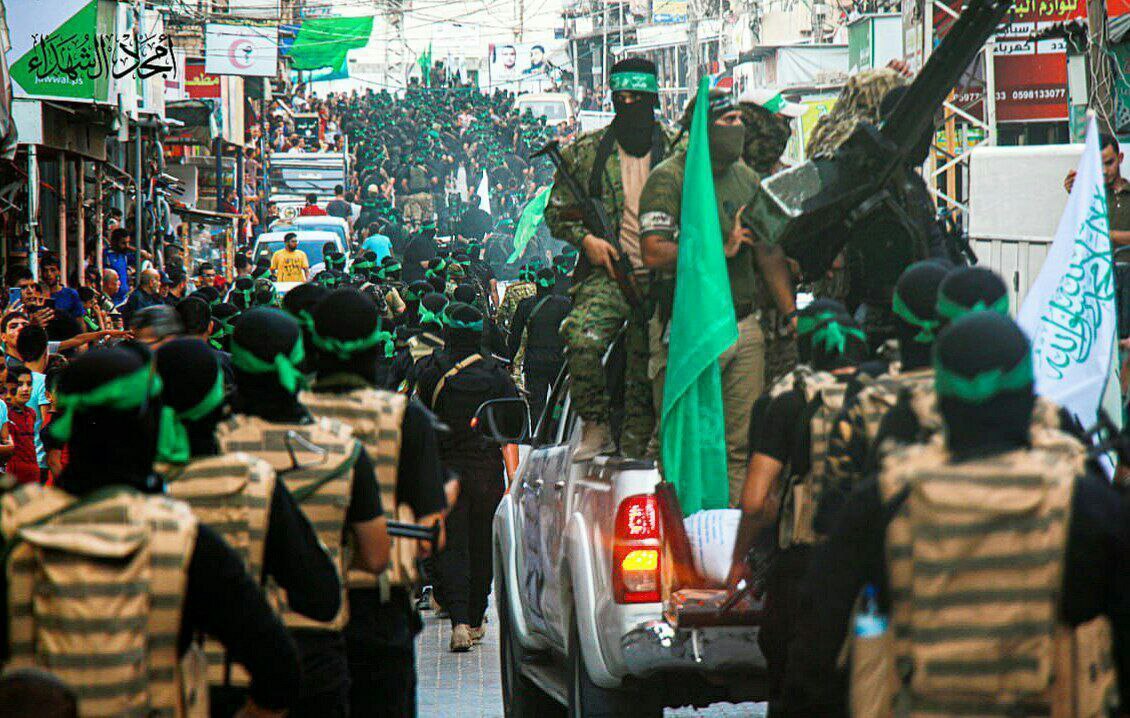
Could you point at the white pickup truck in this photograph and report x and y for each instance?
(595, 593)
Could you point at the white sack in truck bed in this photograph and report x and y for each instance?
(712, 535)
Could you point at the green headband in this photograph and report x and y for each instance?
(834, 336)
(984, 386)
(129, 391)
(427, 316)
(634, 81)
(805, 325)
(543, 282)
(357, 266)
(172, 445)
(928, 326)
(284, 366)
(305, 320)
(775, 103)
(346, 348)
(949, 310)
(475, 326)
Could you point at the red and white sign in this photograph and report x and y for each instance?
(245, 50)
(198, 84)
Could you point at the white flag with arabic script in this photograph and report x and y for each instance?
(1069, 313)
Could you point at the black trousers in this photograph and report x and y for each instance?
(381, 643)
(782, 587)
(466, 565)
(325, 674)
(539, 378)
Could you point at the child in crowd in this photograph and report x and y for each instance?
(23, 463)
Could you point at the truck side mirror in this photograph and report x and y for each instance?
(506, 421)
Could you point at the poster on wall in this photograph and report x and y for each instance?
(527, 67)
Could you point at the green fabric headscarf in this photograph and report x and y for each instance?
(982, 387)
(173, 445)
(346, 348)
(283, 366)
(928, 327)
(949, 310)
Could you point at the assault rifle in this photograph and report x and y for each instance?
(597, 222)
(823, 198)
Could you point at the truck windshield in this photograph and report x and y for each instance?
(301, 173)
(551, 110)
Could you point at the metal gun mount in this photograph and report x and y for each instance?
(827, 194)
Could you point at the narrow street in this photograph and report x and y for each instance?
(467, 685)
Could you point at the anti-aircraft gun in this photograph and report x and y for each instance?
(814, 207)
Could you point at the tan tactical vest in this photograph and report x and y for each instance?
(321, 485)
(803, 492)
(231, 494)
(96, 587)
(975, 555)
(423, 345)
(376, 417)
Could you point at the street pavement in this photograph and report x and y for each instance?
(467, 685)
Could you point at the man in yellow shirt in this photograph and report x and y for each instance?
(290, 263)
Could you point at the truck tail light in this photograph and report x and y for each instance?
(636, 547)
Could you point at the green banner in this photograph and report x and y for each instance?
(532, 217)
(703, 325)
(74, 60)
(325, 41)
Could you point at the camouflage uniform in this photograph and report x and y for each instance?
(599, 307)
(515, 293)
(743, 365)
(766, 136)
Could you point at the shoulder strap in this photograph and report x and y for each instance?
(539, 305)
(603, 152)
(450, 373)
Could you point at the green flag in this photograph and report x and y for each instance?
(532, 217)
(703, 326)
(425, 63)
(325, 41)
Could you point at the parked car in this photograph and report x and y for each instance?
(599, 609)
(310, 241)
(337, 225)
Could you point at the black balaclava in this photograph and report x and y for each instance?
(242, 293)
(915, 306)
(808, 319)
(266, 351)
(224, 317)
(466, 293)
(971, 289)
(190, 372)
(299, 303)
(413, 293)
(984, 384)
(546, 280)
(837, 343)
(109, 445)
(463, 333)
(431, 313)
(634, 122)
(349, 337)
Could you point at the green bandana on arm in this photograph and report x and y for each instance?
(284, 366)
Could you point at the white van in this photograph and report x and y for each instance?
(555, 107)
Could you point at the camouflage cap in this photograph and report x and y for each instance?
(859, 102)
(721, 102)
(766, 136)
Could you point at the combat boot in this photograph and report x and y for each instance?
(596, 439)
(461, 641)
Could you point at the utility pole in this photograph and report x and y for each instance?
(1101, 79)
(139, 170)
(693, 60)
